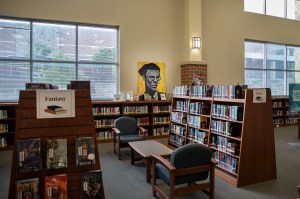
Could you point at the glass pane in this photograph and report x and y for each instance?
(256, 6)
(275, 56)
(254, 55)
(275, 8)
(254, 78)
(13, 76)
(54, 42)
(276, 82)
(104, 79)
(58, 74)
(293, 9)
(97, 44)
(293, 77)
(293, 58)
(14, 39)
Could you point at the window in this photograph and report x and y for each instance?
(56, 53)
(271, 65)
(280, 8)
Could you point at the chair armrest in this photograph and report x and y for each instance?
(142, 130)
(214, 162)
(115, 130)
(163, 161)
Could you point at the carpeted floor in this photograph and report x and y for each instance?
(125, 181)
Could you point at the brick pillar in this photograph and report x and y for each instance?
(189, 70)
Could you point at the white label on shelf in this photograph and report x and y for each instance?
(85, 184)
(21, 154)
(79, 149)
(51, 153)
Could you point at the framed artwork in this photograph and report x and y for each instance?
(151, 80)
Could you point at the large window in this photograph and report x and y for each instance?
(280, 8)
(269, 65)
(56, 53)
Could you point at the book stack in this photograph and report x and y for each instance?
(54, 109)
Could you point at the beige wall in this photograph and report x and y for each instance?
(226, 26)
(147, 28)
(156, 30)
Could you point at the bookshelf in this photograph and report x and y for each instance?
(281, 114)
(240, 133)
(7, 125)
(71, 128)
(152, 115)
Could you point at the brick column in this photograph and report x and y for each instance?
(188, 70)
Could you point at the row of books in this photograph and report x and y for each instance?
(176, 140)
(162, 109)
(178, 117)
(106, 110)
(232, 91)
(198, 135)
(3, 142)
(278, 112)
(29, 157)
(202, 108)
(3, 114)
(178, 129)
(226, 127)
(226, 161)
(225, 144)
(277, 104)
(228, 112)
(56, 186)
(160, 131)
(3, 128)
(104, 123)
(135, 109)
(143, 120)
(198, 121)
(161, 120)
(35, 86)
(104, 135)
(182, 105)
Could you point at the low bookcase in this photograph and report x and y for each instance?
(239, 131)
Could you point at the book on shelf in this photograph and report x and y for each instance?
(29, 155)
(54, 109)
(3, 128)
(56, 153)
(27, 188)
(56, 186)
(3, 142)
(92, 185)
(3, 114)
(85, 151)
(40, 86)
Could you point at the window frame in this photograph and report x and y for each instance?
(77, 62)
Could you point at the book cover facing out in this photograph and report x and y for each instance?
(56, 187)
(294, 97)
(28, 188)
(92, 186)
(29, 155)
(85, 151)
(56, 153)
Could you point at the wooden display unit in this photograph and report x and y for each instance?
(281, 115)
(152, 115)
(7, 125)
(28, 126)
(240, 133)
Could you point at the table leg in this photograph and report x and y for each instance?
(148, 169)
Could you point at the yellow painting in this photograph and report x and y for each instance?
(151, 80)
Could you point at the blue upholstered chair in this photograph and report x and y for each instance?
(126, 130)
(191, 164)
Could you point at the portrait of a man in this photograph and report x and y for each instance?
(151, 81)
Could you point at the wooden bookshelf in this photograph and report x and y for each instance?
(8, 119)
(152, 115)
(240, 133)
(281, 115)
(28, 126)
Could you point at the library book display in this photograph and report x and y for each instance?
(239, 131)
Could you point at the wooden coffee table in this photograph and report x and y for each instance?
(145, 149)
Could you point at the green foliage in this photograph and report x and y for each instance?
(105, 54)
